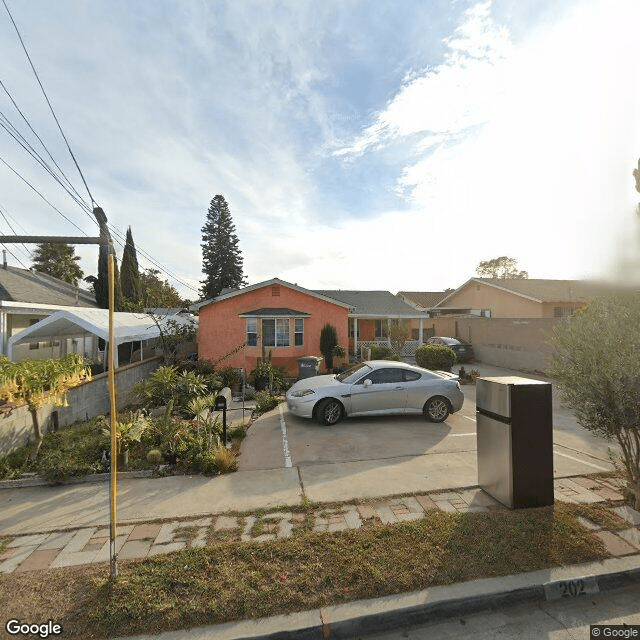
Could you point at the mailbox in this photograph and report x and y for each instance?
(223, 399)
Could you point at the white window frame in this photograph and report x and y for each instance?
(279, 333)
(298, 332)
(252, 323)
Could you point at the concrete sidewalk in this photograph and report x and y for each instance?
(88, 545)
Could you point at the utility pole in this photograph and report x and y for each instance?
(106, 244)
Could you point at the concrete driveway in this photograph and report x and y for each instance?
(368, 457)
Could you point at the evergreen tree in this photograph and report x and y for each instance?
(59, 261)
(157, 293)
(130, 273)
(101, 283)
(221, 257)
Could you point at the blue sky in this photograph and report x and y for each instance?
(359, 144)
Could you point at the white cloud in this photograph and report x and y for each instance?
(527, 148)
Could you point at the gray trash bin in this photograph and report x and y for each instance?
(308, 366)
(515, 440)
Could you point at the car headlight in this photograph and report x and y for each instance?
(302, 393)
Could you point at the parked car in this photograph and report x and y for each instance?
(376, 387)
(463, 351)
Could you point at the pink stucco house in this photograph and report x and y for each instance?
(285, 320)
(269, 317)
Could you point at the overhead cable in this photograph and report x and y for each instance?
(44, 93)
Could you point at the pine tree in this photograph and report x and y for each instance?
(221, 257)
(59, 261)
(130, 273)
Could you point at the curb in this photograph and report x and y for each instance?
(93, 477)
(344, 621)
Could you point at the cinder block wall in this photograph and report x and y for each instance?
(85, 401)
(516, 343)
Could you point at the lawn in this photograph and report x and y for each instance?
(227, 581)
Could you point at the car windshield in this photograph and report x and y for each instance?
(353, 374)
(451, 341)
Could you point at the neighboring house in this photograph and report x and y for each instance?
(86, 331)
(370, 314)
(283, 320)
(273, 318)
(28, 296)
(518, 298)
(423, 300)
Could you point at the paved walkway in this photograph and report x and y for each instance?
(90, 544)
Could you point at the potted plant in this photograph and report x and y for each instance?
(232, 377)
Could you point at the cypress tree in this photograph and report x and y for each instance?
(101, 283)
(59, 261)
(130, 273)
(221, 257)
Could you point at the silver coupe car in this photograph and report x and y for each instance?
(377, 387)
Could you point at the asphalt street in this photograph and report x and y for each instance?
(565, 619)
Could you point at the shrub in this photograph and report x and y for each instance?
(154, 456)
(435, 357)
(166, 385)
(328, 342)
(265, 402)
(383, 352)
(230, 377)
(266, 376)
(58, 465)
(225, 460)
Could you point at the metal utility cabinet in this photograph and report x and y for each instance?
(515, 440)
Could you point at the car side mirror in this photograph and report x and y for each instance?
(367, 383)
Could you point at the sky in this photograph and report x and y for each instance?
(359, 145)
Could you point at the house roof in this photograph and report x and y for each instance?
(260, 285)
(424, 299)
(128, 327)
(272, 312)
(381, 304)
(540, 290)
(23, 285)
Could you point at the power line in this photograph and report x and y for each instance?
(13, 255)
(151, 259)
(24, 143)
(17, 136)
(44, 93)
(17, 108)
(34, 189)
(2, 213)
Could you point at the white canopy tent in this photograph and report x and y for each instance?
(128, 327)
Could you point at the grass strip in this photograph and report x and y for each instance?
(235, 580)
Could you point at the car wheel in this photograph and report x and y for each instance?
(329, 412)
(437, 409)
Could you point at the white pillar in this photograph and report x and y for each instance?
(3, 332)
(355, 336)
(420, 333)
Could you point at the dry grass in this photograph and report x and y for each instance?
(235, 580)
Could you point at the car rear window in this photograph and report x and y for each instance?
(410, 376)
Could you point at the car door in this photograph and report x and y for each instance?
(417, 390)
(387, 392)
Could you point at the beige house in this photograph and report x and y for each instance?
(518, 298)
